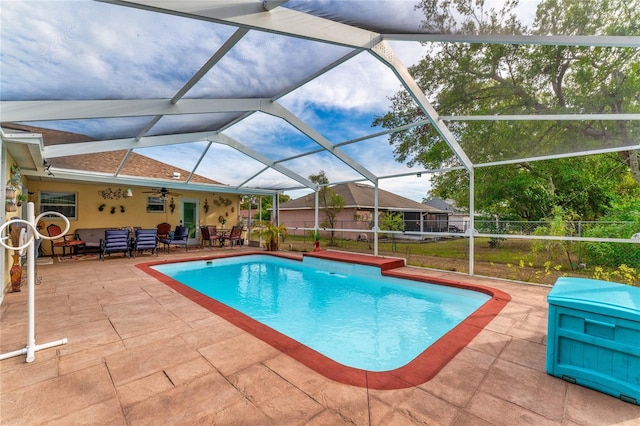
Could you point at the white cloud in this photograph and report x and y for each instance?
(363, 84)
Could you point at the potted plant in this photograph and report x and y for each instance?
(271, 234)
(15, 179)
(10, 191)
(21, 199)
(13, 184)
(11, 206)
(316, 239)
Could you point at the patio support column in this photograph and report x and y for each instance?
(471, 220)
(275, 219)
(375, 219)
(249, 219)
(3, 214)
(260, 217)
(315, 217)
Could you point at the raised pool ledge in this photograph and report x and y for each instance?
(420, 370)
(384, 263)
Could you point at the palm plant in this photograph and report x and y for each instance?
(271, 233)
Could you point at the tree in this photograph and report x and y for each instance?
(559, 224)
(622, 220)
(582, 185)
(494, 79)
(391, 221)
(330, 203)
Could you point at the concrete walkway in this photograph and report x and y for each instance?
(139, 353)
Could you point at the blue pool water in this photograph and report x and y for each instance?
(347, 312)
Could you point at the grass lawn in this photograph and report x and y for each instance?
(511, 259)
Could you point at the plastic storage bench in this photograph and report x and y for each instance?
(594, 336)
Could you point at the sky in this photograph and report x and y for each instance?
(92, 50)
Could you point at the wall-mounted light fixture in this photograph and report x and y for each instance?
(128, 193)
(205, 206)
(172, 205)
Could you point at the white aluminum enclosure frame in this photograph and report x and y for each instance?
(268, 16)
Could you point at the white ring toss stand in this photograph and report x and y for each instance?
(28, 243)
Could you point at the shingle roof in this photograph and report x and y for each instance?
(137, 165)
(358, 195)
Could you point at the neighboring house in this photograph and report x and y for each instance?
(458, 218)
(359, 209)
(90, 205)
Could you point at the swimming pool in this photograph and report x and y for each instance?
(357, 317)
(347, 314)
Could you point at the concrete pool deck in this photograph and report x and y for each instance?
(139, 352)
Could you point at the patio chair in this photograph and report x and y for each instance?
(179, 237)
(234, 236)
(214, 235)
(115, 241)
(72, 242)
(163, 230)
(209, 235)
(145, 239)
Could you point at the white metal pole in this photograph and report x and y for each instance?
(260, 218)
(31, 230)
(249, 221)
(375, 219)
(31, 300)
(275, 209)
(472, 226)
(315, 218)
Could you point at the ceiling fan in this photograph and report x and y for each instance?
(162, 192)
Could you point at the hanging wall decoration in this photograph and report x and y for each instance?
(110, 194)
(221, 201)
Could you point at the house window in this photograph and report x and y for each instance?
(155, 204)
(61, 202)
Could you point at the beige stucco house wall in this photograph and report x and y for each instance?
(135, 208)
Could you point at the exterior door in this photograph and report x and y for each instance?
(189, 216)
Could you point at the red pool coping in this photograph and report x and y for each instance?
(420, 370)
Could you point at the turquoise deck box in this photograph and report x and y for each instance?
(594, 336)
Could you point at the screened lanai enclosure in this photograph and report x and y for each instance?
(259, 95)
